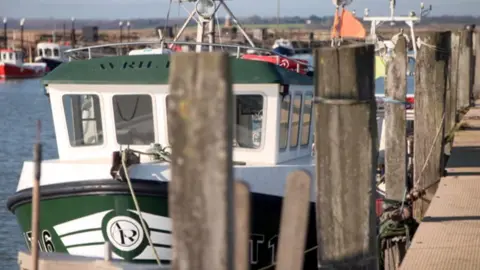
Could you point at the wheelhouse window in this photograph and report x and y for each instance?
(248, 120)
(83, 119)
(284, 121)
(40, 52)
(296, 112)
(56, 52)
(307, 119)
(48, 52)
(133, 115)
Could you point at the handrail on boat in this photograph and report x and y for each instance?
(71, 52)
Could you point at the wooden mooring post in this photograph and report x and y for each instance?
(346, 155)
(431, 72)
(465, 72)
(476, 80)
(396, 143)
(201, 190)
(210, 214)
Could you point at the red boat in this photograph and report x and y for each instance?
(13, 67)
(299, 65)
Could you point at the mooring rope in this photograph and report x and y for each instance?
(137, 207)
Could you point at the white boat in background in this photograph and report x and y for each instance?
(52, 54)
(12, 66)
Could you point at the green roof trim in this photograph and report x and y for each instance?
(154, 69)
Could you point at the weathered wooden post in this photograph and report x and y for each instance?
(395, 124)
(431, 72)
(201, 191)
(395, 141)
(451, 95)
(293, 226)
(476, 80)
(452, 83)
(346, 153)
(242, 226)
(465, 73)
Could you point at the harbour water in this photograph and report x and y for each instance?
(22, 103)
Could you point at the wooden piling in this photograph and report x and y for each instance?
(431, 72)
(242, 226)
(465, 72)
(294, 221)
(395, 140)
(201, 190)
(346, 156)
(476, 80)
(395, 124)
(452, 83)
(37, 158)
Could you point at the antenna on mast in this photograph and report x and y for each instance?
(409, 20)
(205, 11)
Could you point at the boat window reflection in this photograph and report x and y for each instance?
(307, 118)
(83, 119)
(295, 130)
(133, 116)
(248, 121)
(284, 121)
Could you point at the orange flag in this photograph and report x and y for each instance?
(346, 25)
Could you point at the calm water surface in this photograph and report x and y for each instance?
(22, 102)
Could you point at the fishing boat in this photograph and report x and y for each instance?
(112, 110)
(12, 66)
(52, 54)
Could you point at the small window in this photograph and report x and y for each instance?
(56, 52)
(84, 121)
(39, 52)
(284, 121)
(48, 52)
(307, 119)
(296, 112)
(248, 121)
(133, 116)
(10, 56)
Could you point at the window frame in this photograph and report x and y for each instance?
(154, 117)
(103, 126)
(287, 145)
(300, 120)
(309, 133)
(235, 94)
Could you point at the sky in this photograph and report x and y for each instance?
(128, 9)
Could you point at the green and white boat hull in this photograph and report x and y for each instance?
(79, 218)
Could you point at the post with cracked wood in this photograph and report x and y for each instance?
(346, 157)
(430, 87)
(395, 148)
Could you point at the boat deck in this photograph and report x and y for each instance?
(449, 235)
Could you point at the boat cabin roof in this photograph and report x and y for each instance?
(154, 69)
(102, 104)
(51, 45)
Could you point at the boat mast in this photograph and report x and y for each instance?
(204, 13)
(408, 20)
